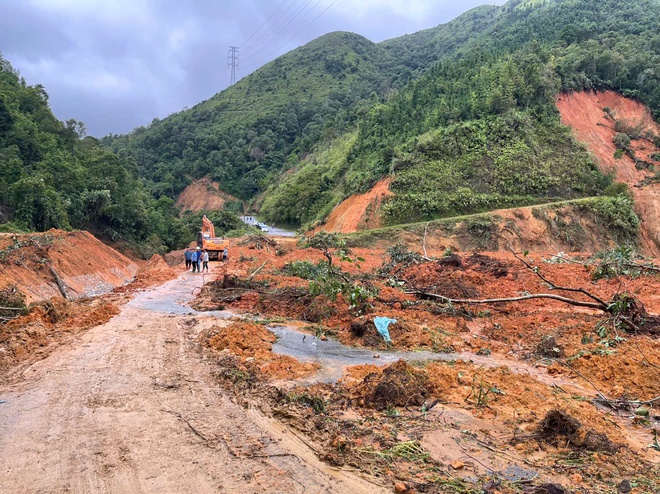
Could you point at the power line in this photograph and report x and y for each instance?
(268, 41)
(285, 28)
(270, 28)
(312, 21)
(266, 56)
(265, 22)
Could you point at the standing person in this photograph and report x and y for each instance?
(225, 254)
(188, 256)
(194, 258)
(205, 260)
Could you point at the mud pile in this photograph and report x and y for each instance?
(397, 385)
(33, 334)
(557, 427)
(253, 343)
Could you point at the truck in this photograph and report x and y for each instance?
(206, 239)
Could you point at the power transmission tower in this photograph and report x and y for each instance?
(232, 61)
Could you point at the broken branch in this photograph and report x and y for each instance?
(257, 270)
(603, 305)
(458, 301)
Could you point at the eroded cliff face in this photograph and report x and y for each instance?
(43, 265)
(204, 194)
(596, 118)
(359, 212)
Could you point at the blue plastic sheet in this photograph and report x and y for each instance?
(382, 324)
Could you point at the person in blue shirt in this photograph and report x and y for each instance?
(188, 255)
(195, 260)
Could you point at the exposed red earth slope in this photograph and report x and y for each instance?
(85, 266)
(359, 212)
(203, 194)
(585, 114)
(541, 228)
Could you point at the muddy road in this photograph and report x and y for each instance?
(131, 406)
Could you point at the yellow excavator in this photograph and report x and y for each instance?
(206, 239)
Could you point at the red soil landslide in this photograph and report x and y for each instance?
(85, 266)
(203, 195)
(359, 212)
(585, 114)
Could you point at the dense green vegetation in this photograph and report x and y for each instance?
(244, 136)
(51, 176)
(478, 128)
(462, 115)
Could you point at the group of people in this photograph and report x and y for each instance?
(196, 259)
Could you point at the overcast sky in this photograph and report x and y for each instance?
(117, 64)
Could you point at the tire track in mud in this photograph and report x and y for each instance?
(131, 406)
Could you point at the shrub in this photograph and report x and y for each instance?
(306, 270)
(617, 214)
(621, 140)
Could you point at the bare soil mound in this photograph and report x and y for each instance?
(48, 287)
(154, 272)
(204, 195)
(252, 344)
(46, 265)
(359, 212)
(397, 385)
(49, 322)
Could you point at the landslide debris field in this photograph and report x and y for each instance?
(268, 374)
(279, 381)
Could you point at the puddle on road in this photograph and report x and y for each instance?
(174, 296)
(335, 357)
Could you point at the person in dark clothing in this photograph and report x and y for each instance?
(188, 256)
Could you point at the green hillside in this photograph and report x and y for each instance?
(462, 116)
(51, 176)
(244, 136)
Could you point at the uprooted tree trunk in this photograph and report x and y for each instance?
(624, 307)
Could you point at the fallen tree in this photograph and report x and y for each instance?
(625, 309)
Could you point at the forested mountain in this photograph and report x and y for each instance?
(478, 128)
(51, 176)
(461, 115)
(244, 136)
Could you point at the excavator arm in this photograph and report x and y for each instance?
(207, 227)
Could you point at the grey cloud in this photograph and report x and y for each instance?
(122, 70)
(30, 33)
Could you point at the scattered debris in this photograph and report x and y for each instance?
(382, 324)
(560, 429)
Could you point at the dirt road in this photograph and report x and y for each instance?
(131, 407)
